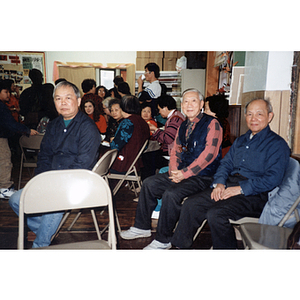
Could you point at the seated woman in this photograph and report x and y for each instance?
(218, 107)
(131, 135)
(91, 110)
(155, 159)
(115, 118)
(146, 114)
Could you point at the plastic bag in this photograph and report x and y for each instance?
(181, 63)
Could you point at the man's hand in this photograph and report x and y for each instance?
(220, 193)
(176, 176)
(33, 132)
(152, 127)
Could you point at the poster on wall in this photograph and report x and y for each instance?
(16, 66)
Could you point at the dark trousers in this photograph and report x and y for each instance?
(199, 207)
(172, 195)
(153, 160)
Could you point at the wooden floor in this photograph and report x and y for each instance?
(84, 228)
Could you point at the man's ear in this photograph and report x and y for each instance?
(79, 101)
(271, 116)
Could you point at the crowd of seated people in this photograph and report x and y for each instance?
(126, 121)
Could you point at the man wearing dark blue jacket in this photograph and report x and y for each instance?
(71, 141)
(254, 165)
(8, 127)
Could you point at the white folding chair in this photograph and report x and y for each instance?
(54, 191)
(130, 176)
(30, 147)
(101, 168)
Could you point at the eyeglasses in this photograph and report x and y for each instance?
(147, 72)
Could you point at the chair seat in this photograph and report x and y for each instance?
(261, 236)
(88, 245)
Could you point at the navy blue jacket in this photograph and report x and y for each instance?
(74, 147)
(262, 159)
(8, 125)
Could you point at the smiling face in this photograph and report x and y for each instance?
(101, 93)
(257, 116)
(116, 112)
(191, 105)
(66, 102)
(146, 113)
(89, 108)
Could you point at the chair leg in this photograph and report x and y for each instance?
(74, 221)
(20, 174)
(96, 224)
(60, 224)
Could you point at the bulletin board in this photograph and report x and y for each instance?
(17, 64)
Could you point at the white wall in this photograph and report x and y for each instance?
(103, 57)
(256, 65)
(279, 70)
(268, 71)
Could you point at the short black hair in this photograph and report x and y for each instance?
(114, 101)
(219, 105)
(118, 79)
(3, 86)
(166, 101)
(87, 85)
(153, 67)
(123, 87)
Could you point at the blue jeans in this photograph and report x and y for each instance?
(43, 225)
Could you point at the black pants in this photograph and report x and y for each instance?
(172, 194)
(153, 160)
(199, 207)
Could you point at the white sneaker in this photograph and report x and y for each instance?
(156, 245)
(7, 193)
(135, 233)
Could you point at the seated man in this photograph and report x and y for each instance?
(254, 165)
(71, 141)
(194, 159)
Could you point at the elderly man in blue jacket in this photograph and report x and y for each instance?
(254, 165)
(71, 141)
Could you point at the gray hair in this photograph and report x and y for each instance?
(267, 101)
(67, 84)
(201, 97)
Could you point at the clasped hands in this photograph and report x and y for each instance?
(222, 193)
(176, 176)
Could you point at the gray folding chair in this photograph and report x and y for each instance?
(30, 147)
(130, 176)
(279, 216)
(101, 168)
(81, 189)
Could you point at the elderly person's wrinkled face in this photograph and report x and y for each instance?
(191, 105)
(257, 116)
(66, 102)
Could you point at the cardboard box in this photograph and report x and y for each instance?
(141, 63)
(143, 54)
(170, 54)
(156, 54)
(180, 53)
(169, 64)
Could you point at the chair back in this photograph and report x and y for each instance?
(104, 163)
(64, 190)
(31, 142)
(283, 198)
